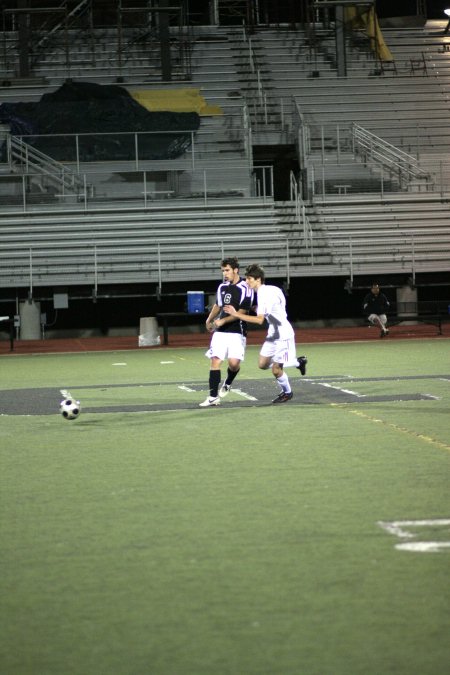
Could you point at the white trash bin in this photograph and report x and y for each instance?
(30, 320)
(148, 332)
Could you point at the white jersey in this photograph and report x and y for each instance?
(272, 303)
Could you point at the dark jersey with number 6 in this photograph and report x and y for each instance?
(241, 297)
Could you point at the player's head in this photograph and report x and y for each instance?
(255, 273)
(230, 269)
(375, 288)
(230, 262)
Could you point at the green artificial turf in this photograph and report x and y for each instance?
(237, 541)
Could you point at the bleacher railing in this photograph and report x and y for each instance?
(139, 260)
(302, 219)
(33, 192)
(373, 148)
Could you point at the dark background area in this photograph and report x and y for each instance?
(435, 8)
(308, 299)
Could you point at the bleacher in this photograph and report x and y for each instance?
(172, 219)
(156, 245)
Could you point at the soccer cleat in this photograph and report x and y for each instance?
(210, 401)
(224, 390)
(302, 361)
(283, 397)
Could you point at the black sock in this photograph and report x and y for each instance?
(231, 374)
(214, 381)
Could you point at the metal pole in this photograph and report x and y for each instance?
(31, 274)
(95, 271)
(77, 152)
(85, 191)
(136, 150)
(351, 261)
(24, 199)
(159, 269)
(288, 279)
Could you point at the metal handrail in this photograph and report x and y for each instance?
(386, 154)
(28, 157)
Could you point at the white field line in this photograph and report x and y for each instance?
(398, 529)
(423, 546)
(345, 391)
(239, 392)
(184, 388)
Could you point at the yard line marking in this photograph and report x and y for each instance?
(423, 546)
(165, 362)
(184, 388)
(344, 391)
(65, 393)
(244, 395)
(119, 364)
(398, 529)
(396, 427)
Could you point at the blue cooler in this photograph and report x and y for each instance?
(195, 302)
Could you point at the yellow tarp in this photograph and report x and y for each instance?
(175, 100)
(368, 21)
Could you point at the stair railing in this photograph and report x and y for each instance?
(31, 160)
(373, 148)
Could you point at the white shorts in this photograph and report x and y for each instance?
(383, 318)
(280, 351)
(227, 346)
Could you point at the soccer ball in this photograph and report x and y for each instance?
(70, 409)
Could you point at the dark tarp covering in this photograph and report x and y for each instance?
(88, 108)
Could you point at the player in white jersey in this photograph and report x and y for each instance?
(278, 349)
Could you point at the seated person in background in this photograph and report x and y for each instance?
(375, 307)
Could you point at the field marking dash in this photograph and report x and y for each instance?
(345, 391)
(423, 546)
(184, 388)
(239, 392)
(397, 527)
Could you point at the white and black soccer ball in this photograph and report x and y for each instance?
(70, 409)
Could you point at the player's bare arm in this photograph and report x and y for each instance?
(209, 323)
(259, 318)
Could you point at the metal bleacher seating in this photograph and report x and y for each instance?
(127, 232)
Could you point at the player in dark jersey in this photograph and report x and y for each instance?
(229, 334)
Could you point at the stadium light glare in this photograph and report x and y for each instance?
(447, 13)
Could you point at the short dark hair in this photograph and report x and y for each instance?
(232, 262)
(255, 271)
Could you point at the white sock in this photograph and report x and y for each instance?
(283, 381)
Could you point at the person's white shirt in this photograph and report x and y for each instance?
(272, 303)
